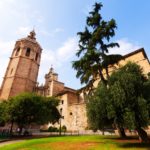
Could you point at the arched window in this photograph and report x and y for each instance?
(36, 57)
(28, 50)
(17, 51)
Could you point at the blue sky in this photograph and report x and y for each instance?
(57, 22)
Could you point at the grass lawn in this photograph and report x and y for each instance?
(93, 142)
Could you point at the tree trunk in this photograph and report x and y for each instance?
(107, 73)
(121, 132)
(142, 135)
(11, 127)
(103, 132)
(20, 130)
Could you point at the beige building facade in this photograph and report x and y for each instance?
(73, 105)
(21, 76)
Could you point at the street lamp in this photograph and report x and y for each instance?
(61, 117)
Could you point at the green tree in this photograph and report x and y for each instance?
(94, 44)
(3, 113)
(101, 111)
(125, 102)
(127, 97)
(97, 109)
(28, 108)
(146, 90)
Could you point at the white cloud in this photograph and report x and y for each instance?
(23, 31)
(5, 52)
(62, 54)
(6, 48)
(125, 47)
(4, 2)
(51, 33)
(58, 30)
(57, 57)
(67, 50)
(19, 15)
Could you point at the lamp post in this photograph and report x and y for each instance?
(61, 117)
(60, 126)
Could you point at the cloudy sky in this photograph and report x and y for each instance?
(57, 22)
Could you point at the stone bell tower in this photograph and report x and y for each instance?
(22, 71)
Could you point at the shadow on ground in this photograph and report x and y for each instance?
(137, 145)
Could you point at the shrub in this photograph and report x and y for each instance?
(63, 128)
(52, 129)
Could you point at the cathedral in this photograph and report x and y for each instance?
(22, 72)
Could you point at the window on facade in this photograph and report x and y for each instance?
(70, 113)
(11, 71)
(17, 51)
(61, 111)
(62, 102)
(28, 52)
(36, 56)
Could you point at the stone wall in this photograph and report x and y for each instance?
(77, 117)
(57, 87)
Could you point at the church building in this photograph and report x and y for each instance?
(22, 72)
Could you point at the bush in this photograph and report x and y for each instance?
(52, 129)
(63, 128)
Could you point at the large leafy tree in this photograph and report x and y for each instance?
(97, 109)
(103, 112)
(128, 97)
(27, 108)
(146, 90)
(126, 101)
(3, 113)
(94, 44)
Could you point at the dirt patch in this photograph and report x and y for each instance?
(127, 141)
(69, 145)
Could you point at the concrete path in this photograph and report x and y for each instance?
(10, 142)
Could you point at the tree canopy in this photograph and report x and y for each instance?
(94, 44)
(97, 109)
(3, 113)
(126, 101)
(27, 108)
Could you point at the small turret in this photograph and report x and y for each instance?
(51, 76)
(32, 35)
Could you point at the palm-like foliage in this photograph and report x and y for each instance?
(94, 44)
